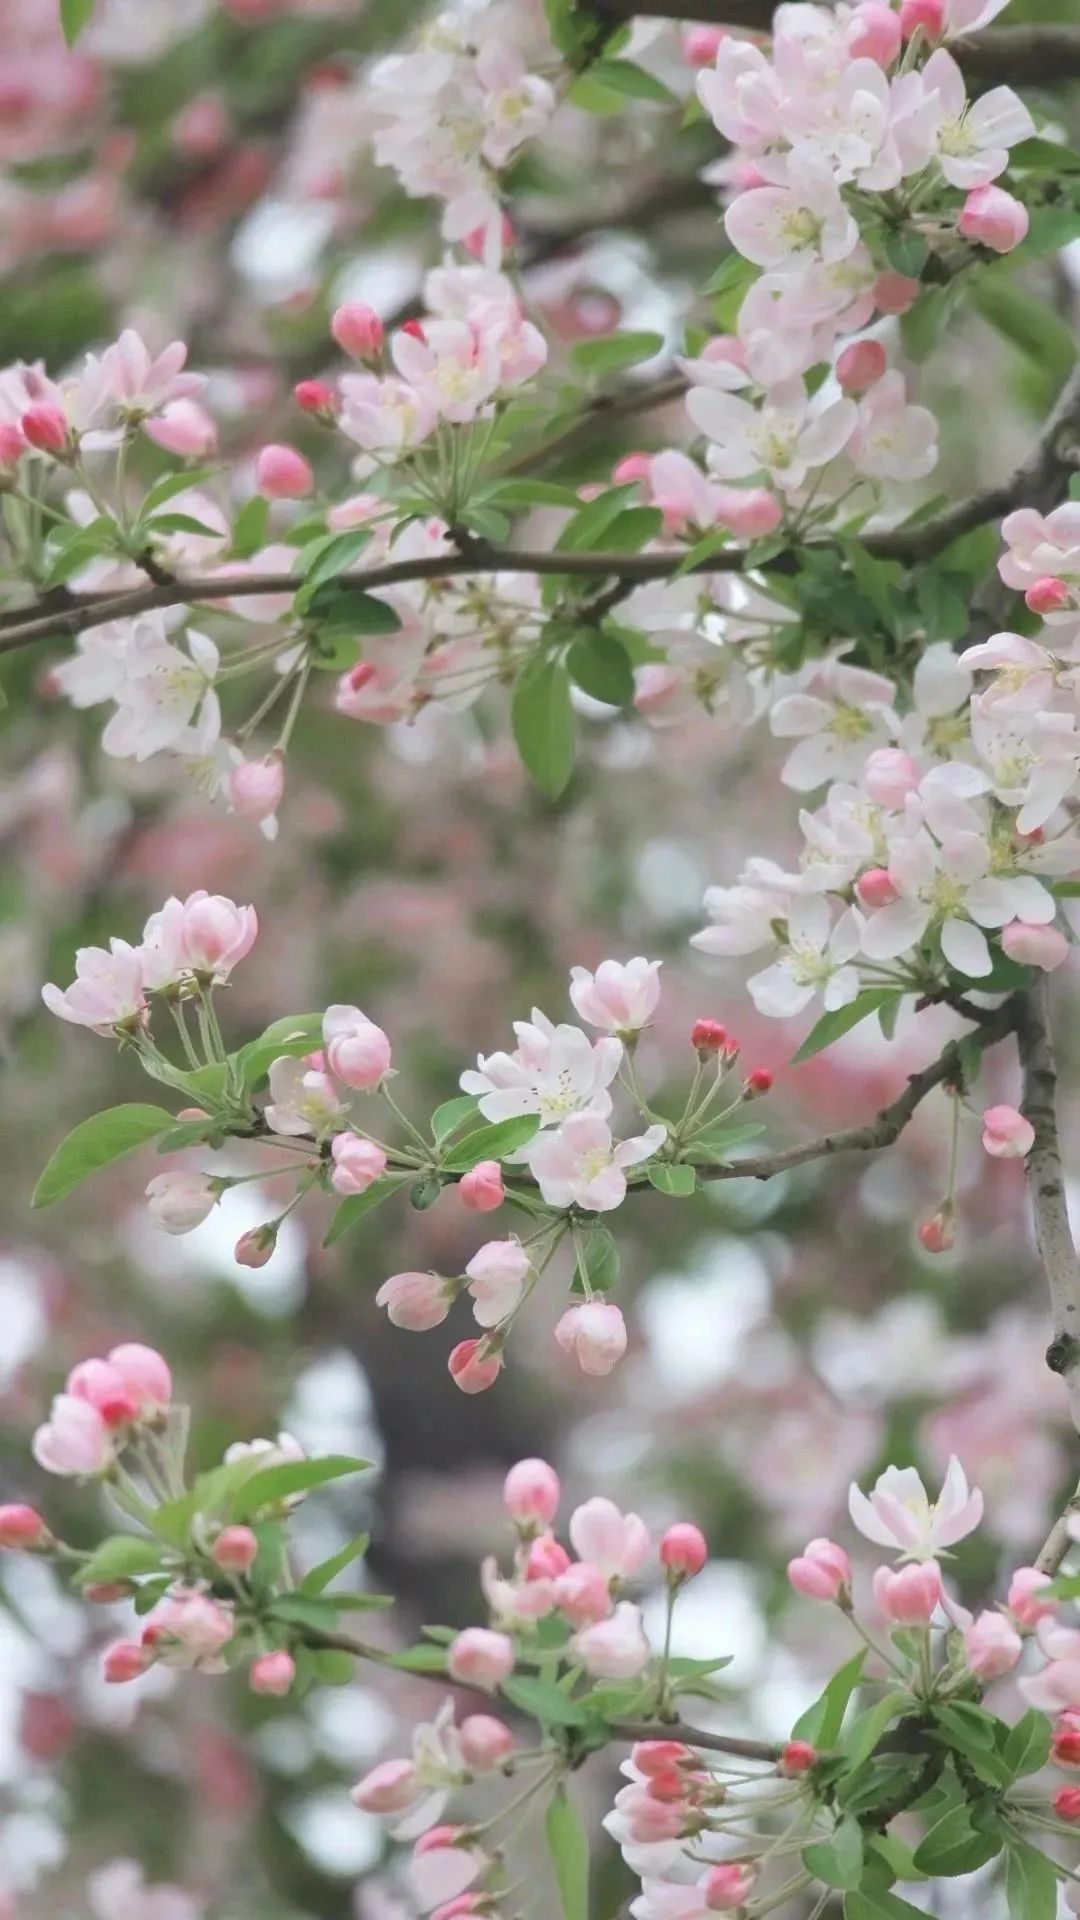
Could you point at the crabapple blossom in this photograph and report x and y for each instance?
(304, 1098)
(994, 218)
(357, 1163)
(1007, 1135)
(683, 1550)
(555, 1071)
(23, 1528)
(481, 1188)
(822, 1571)
(357, 1051)
(531, 1492)
(992, 1646)
(899, 1514)
(579, 1164)
(474, 1365)
(480, 1657)
(272, 1673)
(1023, 1597)
(107, 992)
(415, 1301)
(235, 1549)
(908, 1595)
(619, 998)
(595, 1334)
(1033, 945)
(75, 1439)
(281, 473)
(179, 1202)
(358, 330)
(616, 1648)
(616, 1543)
(485, 1741)
(497, 1276)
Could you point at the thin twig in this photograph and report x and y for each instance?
(764, 1750)
(1059, 1539)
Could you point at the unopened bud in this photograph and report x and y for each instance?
(23, 1530)
(759, 1080)
(798, 1757)
(255, 1248)
(235, 1549)
(708, 1037)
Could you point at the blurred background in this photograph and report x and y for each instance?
(204, 171)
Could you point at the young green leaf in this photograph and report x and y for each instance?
(75, 17)
(543, 722)
(272, 1484)
(832, 1026)
(120, 1557)
(837, 1861)
(491, 1143)
(358, 1205)
(677, 1182)
(96, 1143)
(568, 1845)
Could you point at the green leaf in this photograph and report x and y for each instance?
(600, 665)
(419, 1659)
(864, 1733)
(318, 1613)
(350, 611)
(351, 1211)
(588, 526)
(879, 1904)
(832, 1025)
(453, 1114)
(492, 1143)
(838, 1861)
(96, 1143)
(271, 1484)
(171, 484)
(1030, 1884)
(515, 494)
(332, 554)
(633, 529)
(75, 17)
(180, 523)
(716, 1144)
(322, 1576)
(543, 723)
(821, 1723)
(600, 1256)
(614, 350)
(119, 1557)
(249, 528)
(953, 1847)
(1027, 1748)
(624, 76)
(1029, 323)
(568, 1845)
(677, 1182)
(295, 1035)
(906, 251)
(544, 1701)
(1043, 156)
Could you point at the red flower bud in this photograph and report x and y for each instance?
(708, 1036)
(798, 1757)
(758, 1080)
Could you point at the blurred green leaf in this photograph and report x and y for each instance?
(96, 1143)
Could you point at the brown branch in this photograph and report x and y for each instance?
(1046, 1187)
(695, 1737)
(1058, 1540)
(887, 1126)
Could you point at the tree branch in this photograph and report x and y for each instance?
(695, 1737)
(887, 1126)
(1058, 1540)
(1046, 1187)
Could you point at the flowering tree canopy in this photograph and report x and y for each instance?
(555, 520)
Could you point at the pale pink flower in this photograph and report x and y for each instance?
(302, 1100)
(898, 1512)
(188, 1629)
(555, 1071)
(788, 436)
(595, 1333)
(206, 934)
(1007, 1135)
(531, 1493)
(107, 991)
(74, 1440)
(185, 428)
(892, 440)
(145, 1374)
(119, 1891)
(772, 226)
(282, 473)
(385, 417)
(994, 218)
(357, 1163)
(580, 1165)
(133, 383)
(583, 1593)
(356, 1049)
(443, 1866)
(481, 1189)
(973, 138)
(822, 1571)
(992, 1645)
(179, 1202)
(613, 1649)
(1023, 1597)
(415, 1301)
(620, 998)
(451, 365)
(480, 1657)
(615, 1542)
(1056, 1688)
(497, 1274)
(908, 1595)
(474, 1365)
(390, 1787)
(485, 1741)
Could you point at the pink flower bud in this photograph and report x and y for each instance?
(875, 888)
(874, 33)
(894, 293)
(23, 1529)
(822, 1571)
(255, 1248)
(1066, 1803)
(1006, 1133)
(388, 1788)
(751, 512)
(994, 218)
(357, 1051)
(909, 1595)
(595, 1333)
(12, 444)
(104, 1389)
(104, 1593)
(235, 1549)
(708, 1036)
(358, 330)
(415, 1301)
(659, 1757)
(938, 1233)
(473, 1366)
(927, 14)
(481, 1189)
(531, 1493)
(281, 473)
(125, 1660)
(145, 1374)
(615, 1648)
(1046, 594)
(479, 1657)
(631, 469)
(583, 1594)
(179, 1202)
(46, 429)
(700, 45)
(357, 1163)
(729, 1886)
(256, 787)
(1023, 1598)
(546, 1558)
(316, 396)
(485, 1742)
(1065, 1750)
(683, 1550)
(759, 1080)
(798, 1757)
(184, 428)
(992, 1646)
(889, 776)
(861, 365)
(272, 1673)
